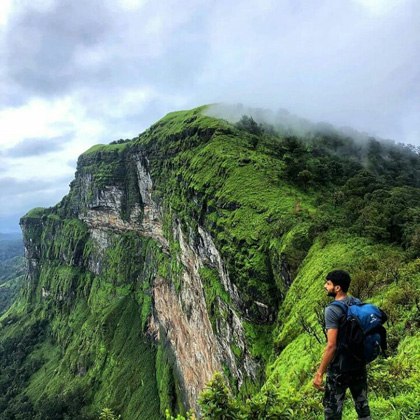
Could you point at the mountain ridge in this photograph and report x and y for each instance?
(199, 246)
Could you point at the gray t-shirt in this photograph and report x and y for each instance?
(333, 313)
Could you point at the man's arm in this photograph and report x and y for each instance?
(327, 357)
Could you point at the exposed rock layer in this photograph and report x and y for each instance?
(180, 315)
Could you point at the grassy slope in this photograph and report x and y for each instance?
(236, 187)
(205, 169)
(393, 381)
(230, 170)
(95, 341)
(80, 306)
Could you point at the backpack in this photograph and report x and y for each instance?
(361, 334)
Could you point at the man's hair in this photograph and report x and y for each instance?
(340, 278)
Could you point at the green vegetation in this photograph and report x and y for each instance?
(106, 148)
(12, 269)
(35, 213)
(108, 414)
(9, 291)
(282, 210)
(10, 246)
(94, 342)
(218, 403)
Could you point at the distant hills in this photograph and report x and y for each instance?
(12, 268)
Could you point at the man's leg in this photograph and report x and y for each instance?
(358, 388)
(333, 397)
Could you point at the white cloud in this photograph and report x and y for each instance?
(380, 7)
(108, 72)
(5, 9)
(9, 8)
(45, 120)
(132, 4)
(33, 119)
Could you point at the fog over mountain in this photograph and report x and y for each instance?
(79, 73)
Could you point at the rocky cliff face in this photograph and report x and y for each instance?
(117, 237)
(194, 248)
(179, 317)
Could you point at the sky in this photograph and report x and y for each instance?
(77, 73)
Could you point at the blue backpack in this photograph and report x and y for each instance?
(361, 334)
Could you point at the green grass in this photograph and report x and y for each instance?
(35, 213)
(106, 148)
(259, 340)
(300, 352)
(208, 173)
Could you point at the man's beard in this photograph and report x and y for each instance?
(331, 294)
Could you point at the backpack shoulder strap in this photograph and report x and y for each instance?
(345, 306)
(342, 305)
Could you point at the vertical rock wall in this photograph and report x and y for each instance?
(179, 315)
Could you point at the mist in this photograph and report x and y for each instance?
(284, 122)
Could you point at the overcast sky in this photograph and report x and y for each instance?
(77, 73)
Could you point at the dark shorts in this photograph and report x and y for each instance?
(335, 392)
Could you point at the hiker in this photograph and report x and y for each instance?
(341, 373)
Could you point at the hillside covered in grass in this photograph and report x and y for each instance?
(202, 245)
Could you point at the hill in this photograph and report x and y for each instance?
(200, 246)
(12, 268)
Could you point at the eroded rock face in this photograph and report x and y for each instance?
(180, 316)
(286, 274)
(210, 255)
(151, 225)
(203, 351)
(103, 214)
(190, 336)
(103, 219)
(44, 293)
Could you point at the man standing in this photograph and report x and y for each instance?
(342, 371)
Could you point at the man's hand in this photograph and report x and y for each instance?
(326, 358)
(318, 382)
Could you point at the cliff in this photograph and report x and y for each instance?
(200, 246)
(127, 273)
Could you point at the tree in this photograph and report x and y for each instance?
(248, 124)
(338, 198)
(305, 177)
(217, 402)
(108, 414)
(190, 416)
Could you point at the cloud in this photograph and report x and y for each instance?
(20, 196)
(14, 187)
(350, 64)
(380, 7)
(97, 44)
(323, 62)
(38, 146)
(108, 69)
(42, 43)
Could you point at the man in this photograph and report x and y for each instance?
(338, 379)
